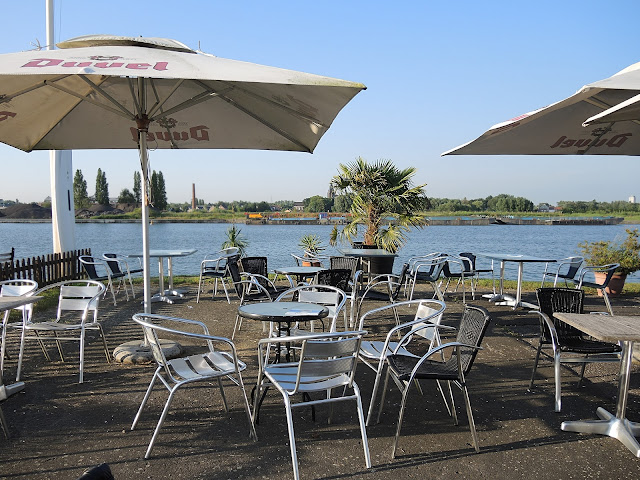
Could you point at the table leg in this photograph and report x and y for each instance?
(501, 298)
(161, 274)
(617, 426)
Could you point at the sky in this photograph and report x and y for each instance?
(438, 74)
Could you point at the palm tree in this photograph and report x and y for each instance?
(380, 193)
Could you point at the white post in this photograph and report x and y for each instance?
(61, 171)
(144, 166)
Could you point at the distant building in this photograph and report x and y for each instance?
(632, 199)
(298, 206)
(331, 193)
(546, 208)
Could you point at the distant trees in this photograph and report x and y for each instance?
(126, 196)
(158, 191)
(499, 203)
(137, 187)
(341, 203)
(102, 188)
(80, 195)
(317, 204)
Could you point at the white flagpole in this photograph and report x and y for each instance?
(61, 172)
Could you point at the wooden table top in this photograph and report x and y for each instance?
(604, 327)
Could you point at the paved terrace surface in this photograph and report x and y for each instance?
(59, 428)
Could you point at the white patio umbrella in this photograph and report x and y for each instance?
(106, 92)
(558, 129)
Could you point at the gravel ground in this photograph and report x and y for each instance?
(58, 427)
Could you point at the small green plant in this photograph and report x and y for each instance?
(312, 244)
(625, 252)
(235, 238)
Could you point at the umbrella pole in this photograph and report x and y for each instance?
(145, 221)
(142, 122)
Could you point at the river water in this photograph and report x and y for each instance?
(277, 242)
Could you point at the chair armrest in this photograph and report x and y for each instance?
(456, 345)
(407, 336)
(552, 329)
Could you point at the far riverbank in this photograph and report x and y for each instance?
(450, 220)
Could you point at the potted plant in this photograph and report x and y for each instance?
(384, 201)
(312, 247)
(625, 252)
(235, 238)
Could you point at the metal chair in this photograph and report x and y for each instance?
(76, 298)
(609, 270)
(479, 270)
(248, 291)
(350, 263)
(373, 353)
(14, 288)
(327, 364)
(344, 279)
(405, 369)
(215, 364)
(428, 270)
(7, 256)
(569, 345)
(99, 271)
(119, 264)
(331, 297)
(385, 287)
(458, 267)
(215, 266)
(566, 269)
(255, 269)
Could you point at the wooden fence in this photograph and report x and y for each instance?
(47, 269)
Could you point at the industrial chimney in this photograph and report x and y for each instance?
(193, 196)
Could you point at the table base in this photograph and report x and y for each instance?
(168, 296)
(619, 428)
(138, 353)
(502, 299)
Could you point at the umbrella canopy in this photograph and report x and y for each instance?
(558, 129)
(105, 92)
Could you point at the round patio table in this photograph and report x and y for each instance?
(283, 313)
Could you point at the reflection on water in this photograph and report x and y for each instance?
(277, 242)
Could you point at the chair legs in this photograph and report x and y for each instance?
(606, 300)
(404, 387)
(292, 440)
(3, 424)
(172, 391)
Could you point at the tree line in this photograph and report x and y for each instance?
(82, 200)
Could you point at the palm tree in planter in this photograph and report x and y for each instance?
(235, 238)
(384, 201)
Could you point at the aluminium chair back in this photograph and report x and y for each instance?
(17, 288)
(331, 297)
(78, 298)
(327, 360)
